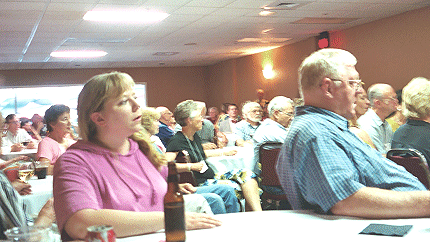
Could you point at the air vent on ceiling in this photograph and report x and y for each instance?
(324, 20)
(165, 53)
(285, 5)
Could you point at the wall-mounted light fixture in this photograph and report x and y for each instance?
(268, 71)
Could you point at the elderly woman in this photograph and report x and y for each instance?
(415, 133)
(57, 118)
(108, 178)
(189, 116)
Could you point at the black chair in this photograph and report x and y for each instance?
(273, 197)
(413, 161)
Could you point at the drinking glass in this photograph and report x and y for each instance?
(26, 171)
(29, 234)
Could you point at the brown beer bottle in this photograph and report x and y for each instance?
(174, 215)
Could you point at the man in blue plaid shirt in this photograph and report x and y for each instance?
(325, 167)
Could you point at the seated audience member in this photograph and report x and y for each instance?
(27, 125)
(21, 187)
(166, 120)
(213, 115)
(207, 132)
(362, 104)
(38, 125)
(107, 178)
(189, 116)
(57, 118)
(228, 123)
(416, 108)
(324, 166)
(397, 118)
(274, 128)
(383, 102)
(263, 102)
(15, 136)
(12, 209)
(245, 129)
(221, 198)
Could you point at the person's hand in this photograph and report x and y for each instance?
(31, 145)
(22, 157)
(222, 140)
(230, 152)
(200, 221)
(197, 166)
(46, 215)
(209, 146)
(187, 188)
(21, 187)
(16, 147)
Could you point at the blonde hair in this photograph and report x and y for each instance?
(146, 145)
(416, 98)
(95, 93)
(93, 97)
(149, 115)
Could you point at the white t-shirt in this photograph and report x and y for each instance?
(10, 139)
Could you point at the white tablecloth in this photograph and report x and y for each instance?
(243, 159)
(293, 226)
(7, 155)
(41, 192)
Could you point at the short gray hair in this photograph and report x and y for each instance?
(416, 98)
(184, 110)
(323, 63)
(200, 105)
(278, 103)
(248, 105)
(376, 91)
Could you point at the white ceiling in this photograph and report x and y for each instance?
(31, 29)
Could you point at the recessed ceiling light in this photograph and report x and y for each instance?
(266, 31)
(78, 54)
(126, 16)
(265, 13)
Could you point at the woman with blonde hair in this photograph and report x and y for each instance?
(108, 178)
(415, 133)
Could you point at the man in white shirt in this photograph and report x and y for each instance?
(274, 128)
(15, 136)
(383, 101)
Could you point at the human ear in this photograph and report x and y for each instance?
(327, 87)
(98, 119)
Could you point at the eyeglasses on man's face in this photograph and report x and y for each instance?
(357, 84)
(291, 114)
(394, 99)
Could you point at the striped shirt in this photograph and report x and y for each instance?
(322, 162)
(11, 207)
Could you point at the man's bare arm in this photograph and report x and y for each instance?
(378, 203)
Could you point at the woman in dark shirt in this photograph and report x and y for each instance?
(190, 118)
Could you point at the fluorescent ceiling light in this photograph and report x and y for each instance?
(78, 54)
(125, 16)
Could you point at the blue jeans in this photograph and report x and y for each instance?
(221, 198)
